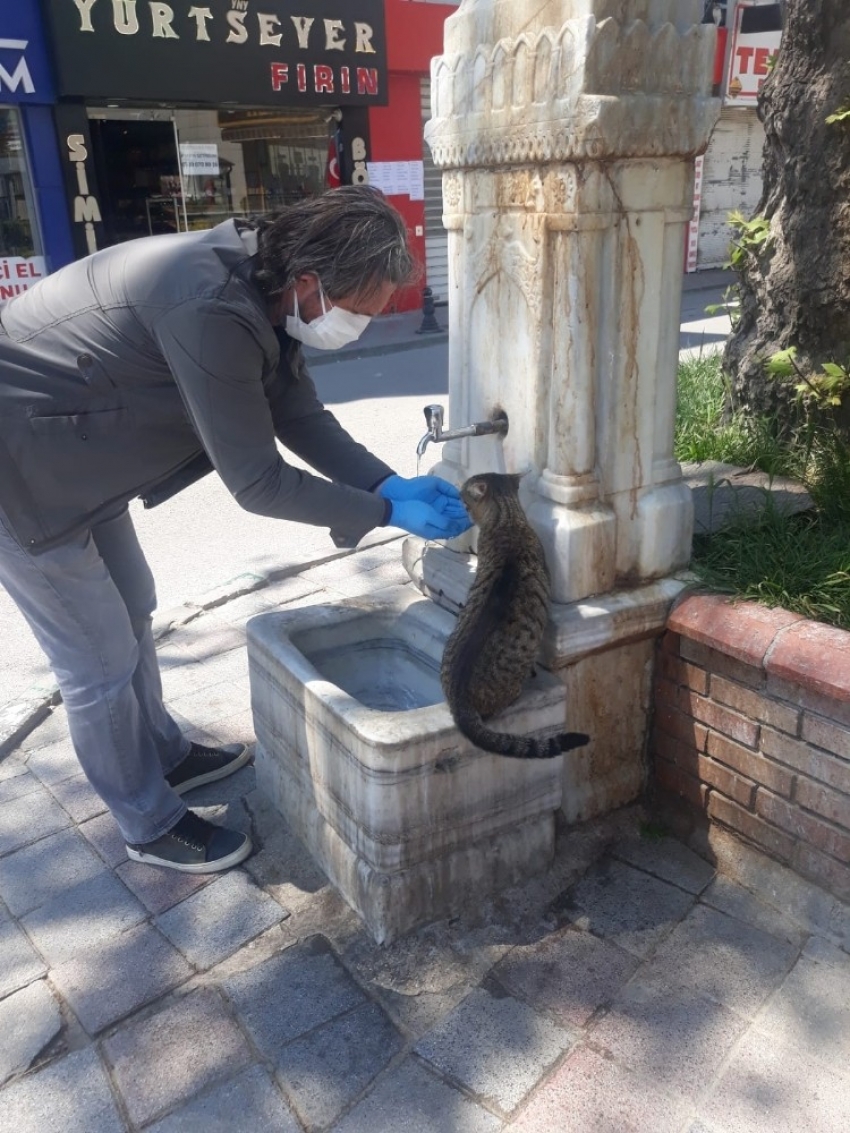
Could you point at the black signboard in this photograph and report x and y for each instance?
(77, 157)
(248, 52)
(765, 17)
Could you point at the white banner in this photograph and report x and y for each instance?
(19, 273)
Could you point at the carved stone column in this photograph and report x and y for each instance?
(566, 132)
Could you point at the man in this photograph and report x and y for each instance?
(132, 373)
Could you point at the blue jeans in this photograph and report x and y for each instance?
(89, 603)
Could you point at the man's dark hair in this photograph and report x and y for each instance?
(351, 238)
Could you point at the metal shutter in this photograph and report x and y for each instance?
(731, 180)
(436, 237)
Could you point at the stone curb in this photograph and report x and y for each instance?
(23, 715)
(808, 654)
(743, 630)
(814, 656)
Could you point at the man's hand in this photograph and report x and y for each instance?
(430, 521)
(440, 494)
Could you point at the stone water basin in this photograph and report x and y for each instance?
(358, 751)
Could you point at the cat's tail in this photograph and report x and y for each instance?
(516, 747)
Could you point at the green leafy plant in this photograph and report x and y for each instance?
(842, 114)
(750, 236)
(822, 390)
(730, 304)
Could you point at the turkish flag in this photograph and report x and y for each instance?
(332, 176)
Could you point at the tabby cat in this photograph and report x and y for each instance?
(492, 650)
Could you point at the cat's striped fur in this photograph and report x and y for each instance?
(492, 650)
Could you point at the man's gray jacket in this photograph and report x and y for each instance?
(123, 372)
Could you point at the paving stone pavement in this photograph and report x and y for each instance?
(627, 989)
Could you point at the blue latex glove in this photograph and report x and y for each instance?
(427, 520)
(431, 490)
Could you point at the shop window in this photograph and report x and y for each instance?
(167, 170)
(248, 162)
(19, 235)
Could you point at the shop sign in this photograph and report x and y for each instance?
(19, 273)
(72, 127)
(755, 42)
(199, 159)
(354, 146)
(24, 69)
(359, 164)
(248, 52)
(11, 79)
(86, 205)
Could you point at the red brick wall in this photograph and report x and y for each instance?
(752, 728)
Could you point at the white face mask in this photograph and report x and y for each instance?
(331, 330)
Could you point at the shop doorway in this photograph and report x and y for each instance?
(234, 163)
(138, 176)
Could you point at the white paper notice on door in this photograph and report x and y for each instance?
(398, 178)
(199, 159)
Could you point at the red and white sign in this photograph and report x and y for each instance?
(755, 42)
(692, 231)
(332, 175)
(19, 273)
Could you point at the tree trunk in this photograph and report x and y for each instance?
(795, 289)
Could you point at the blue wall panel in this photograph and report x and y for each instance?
(48, 183)
(26, 82)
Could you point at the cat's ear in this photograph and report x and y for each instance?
(478, 489)
(516, 478)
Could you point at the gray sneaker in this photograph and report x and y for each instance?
(206, 765)
(193, 845)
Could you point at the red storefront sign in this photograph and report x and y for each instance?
(755, 43)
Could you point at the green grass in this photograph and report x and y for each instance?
(702, 433)
(799, 562)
